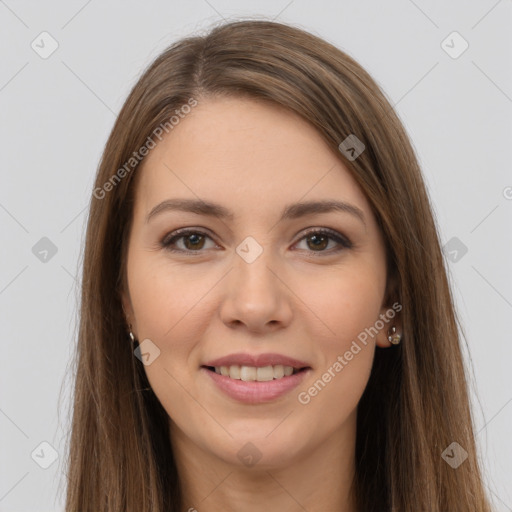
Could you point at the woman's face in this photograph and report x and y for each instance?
(262, 272)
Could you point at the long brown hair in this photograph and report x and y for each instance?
(416, 401)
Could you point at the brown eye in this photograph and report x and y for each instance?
(316, 241)
(191, 241)
(194, 241)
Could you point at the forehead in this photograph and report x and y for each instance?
(246, 154)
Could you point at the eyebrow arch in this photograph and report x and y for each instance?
(292, 211)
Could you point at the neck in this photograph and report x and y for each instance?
(318, 480)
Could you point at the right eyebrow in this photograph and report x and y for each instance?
(193, 206)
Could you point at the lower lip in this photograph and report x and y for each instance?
(254, 392)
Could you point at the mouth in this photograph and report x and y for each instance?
(256, 373)
(256, 384)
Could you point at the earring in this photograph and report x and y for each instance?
(132, 337)
(394, 337)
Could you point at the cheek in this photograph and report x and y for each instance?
(346, 301)
(169, 307)
(168, 302)
(348, 304)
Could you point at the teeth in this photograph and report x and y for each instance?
(247, 373)
(234, 372)
(265, 373)
(278, 371)
(251, 373)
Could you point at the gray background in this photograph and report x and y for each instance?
(56, 116)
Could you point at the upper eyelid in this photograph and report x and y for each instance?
(182, 232)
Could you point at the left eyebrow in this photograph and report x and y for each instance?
(292, 211)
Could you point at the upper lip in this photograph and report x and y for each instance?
(257, 360)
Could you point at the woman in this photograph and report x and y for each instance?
(266, 321)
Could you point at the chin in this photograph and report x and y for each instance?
(259, 451)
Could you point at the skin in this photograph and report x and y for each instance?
(294, 299)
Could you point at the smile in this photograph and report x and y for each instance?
(254, 373)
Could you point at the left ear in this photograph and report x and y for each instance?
(390, 315)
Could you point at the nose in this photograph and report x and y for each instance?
(256, 297)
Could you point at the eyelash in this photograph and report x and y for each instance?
(171, 238)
